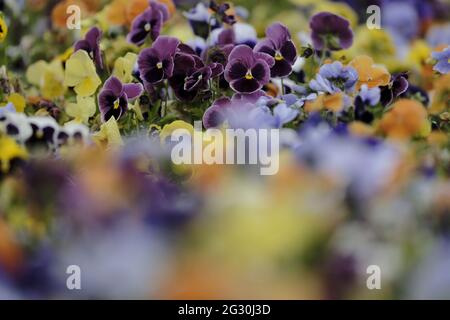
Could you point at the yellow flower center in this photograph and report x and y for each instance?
(159, 65)
(278, 56)
(116, 104)
(249, 75)
(147, 27)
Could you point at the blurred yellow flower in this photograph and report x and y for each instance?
(109, 134)
(3, 28)
(81, 74)
(49, 77)
(10, 150)
(18, 101)
(440, 101)
(369, 73)
(168, 129)
(377, 43)
(123, 67)
(419, 53)
(83, 109)
(406, 119)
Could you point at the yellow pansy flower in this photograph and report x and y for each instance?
(3, 28)
(168, 129)
(63, 57)
(49, 77)
(123, 67)
(82, 110)
(109, 134)
(419, 53)
(10, 150)
(18, 101)
(81, 74)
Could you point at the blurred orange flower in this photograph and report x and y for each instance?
(60, 15)
(369, 73)
(131, 8)
(406, 119)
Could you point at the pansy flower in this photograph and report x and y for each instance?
(82, 110)
(49, 77)
(191, 76)
(156, 63)
(248, 71)
(280, 46)
(91, 44)
(80, 73)
(44, 132)
(222, 11)
(15, 125)
(3, 29)
(114, 96)
(442, 58)
(201, 20)
(124, 66)
(397, 86)
(72, 133)
(330, 31)
(366, 98)
(369, 73)
(404, 120)
(334, 77)
(148, 23)
(222, 108)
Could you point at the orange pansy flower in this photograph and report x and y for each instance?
(369, 73)
(333, 102)
(123, 12)
(405, 120)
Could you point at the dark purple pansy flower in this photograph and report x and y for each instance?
(156, 63)
(114, 96)
(248, 71)
(91, 44)
(148, 22)
(221, 11)
(191, 76)
(280, 46)
(330, 31)
(398, 85)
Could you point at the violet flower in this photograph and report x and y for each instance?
(334, 77)
(443, 58)
(279, 45)
(248, 71)
(191, 76)
(91, 44)
(330, 31)
(148, 23)
(156, 63)
(114, 96)
(398, 85)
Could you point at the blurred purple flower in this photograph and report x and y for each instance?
(91, 44)
(280, 46)
(443, 58)
(114, 96)
(330, 31)
(148, 23)
(156, 63)
(248, 71)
